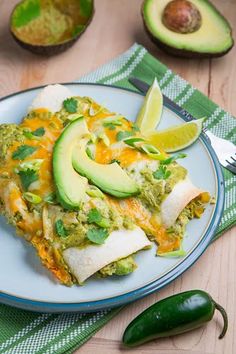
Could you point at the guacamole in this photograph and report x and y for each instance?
(121, 267)
(9, 134)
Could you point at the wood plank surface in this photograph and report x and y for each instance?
(116, 26)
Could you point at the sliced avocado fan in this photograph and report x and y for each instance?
(185, 28)
(111, 178)
(69, 156)
(71, 187)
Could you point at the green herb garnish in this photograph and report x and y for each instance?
(112, 122)
(89, 153)
(161, 173)
(115, 160)
(97, 236)
(39, 132)
(35, 134)
(135, 128)
(27, 177)
(133, 141)
(23, 151)
(110, 126)
(95, 192)
(51, 198)
(173, 158)
(123, 135)
(32, 198)
(94, 216)
(70, 105)
(60, 228)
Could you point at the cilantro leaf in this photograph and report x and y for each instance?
(161, 173)
(110, 126)
(70, 105)
(39, 132)
(60, 228)
(97, 236)
(35, 135)
(94, 216)
(123, 135)
(173, 158)
(23, 151)
(27, 177)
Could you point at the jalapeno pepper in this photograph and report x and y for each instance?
(174, 315)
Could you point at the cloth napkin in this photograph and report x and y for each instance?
(23, 332)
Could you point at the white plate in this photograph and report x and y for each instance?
(25, 283)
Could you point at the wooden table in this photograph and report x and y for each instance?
(116, 26)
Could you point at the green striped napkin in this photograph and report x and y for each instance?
(23, 332)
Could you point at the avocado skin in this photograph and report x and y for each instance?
(183, 53)
(52, 49)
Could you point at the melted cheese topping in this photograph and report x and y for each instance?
(34, 225)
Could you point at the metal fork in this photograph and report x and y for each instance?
(224, 149)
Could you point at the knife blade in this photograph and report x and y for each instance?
(144, 87)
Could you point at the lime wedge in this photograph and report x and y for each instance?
(150, 113)
(177, 137)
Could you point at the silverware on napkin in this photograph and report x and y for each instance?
(224, 149)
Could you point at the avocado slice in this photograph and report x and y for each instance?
(71, 187)
(50, 27)
(111, 178)
(187, 28)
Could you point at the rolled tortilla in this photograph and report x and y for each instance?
(120, 244)
(51, 98)
(182, 193)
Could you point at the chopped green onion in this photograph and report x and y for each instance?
(152, 151)
(173, 158)
(51, 198)
(29, 165)
(132, 141)
(93, 113)
(104, 138)
(89, 153)
(93, 138)
(74, 116)
(123, 135)
(95, 192)
(32, 198)
(112, 121)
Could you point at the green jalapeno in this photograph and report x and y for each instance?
(174, 315)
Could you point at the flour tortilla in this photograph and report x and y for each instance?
(182, 193)
(120, 244)
(51, 97)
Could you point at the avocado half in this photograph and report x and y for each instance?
(49, 27)
(191, 29)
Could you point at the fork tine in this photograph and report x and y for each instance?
(231, 162)
(233, 158)
(231, 168)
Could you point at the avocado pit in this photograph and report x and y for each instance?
(182, 16)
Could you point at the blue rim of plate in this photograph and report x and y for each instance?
(120, 300)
